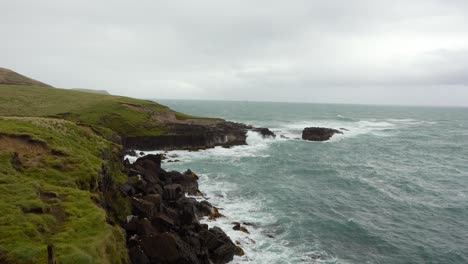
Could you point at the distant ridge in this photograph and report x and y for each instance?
(13, 78)
(91, 91)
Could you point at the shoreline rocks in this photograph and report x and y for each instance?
(192, 137)
(265, 132)
(319, 133)
(164, 226)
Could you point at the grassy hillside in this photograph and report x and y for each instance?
(126, 116)
(10, 77)
(49, 178)
(54, 146)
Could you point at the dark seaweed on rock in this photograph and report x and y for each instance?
(164, 227)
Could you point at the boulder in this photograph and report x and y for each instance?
(143, 207)
(221, 248)
(319, 133)
(172, 192)
(137, 255)
(265, 132)
(168, 248)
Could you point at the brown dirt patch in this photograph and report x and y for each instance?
(29, 152)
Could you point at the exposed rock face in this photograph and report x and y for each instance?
(319, 133)
(164, 227)
(265, 132)
(192, 136)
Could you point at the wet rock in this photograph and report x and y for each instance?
(192, 136)
(319, 133)
(238, 227)
(265, 132)
(220, 246)
(131, 153)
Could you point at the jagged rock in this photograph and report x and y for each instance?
(237, 226)
(162, 222)
(156, 200)
(137, 255)
(192, 136)
(204, 209)
(319, 133)
(143, 207)
(168, 248)
(131, 153)
(145, 228)
(220, 246)
(172, 192)
(128, 189)
(131, 224)
(189, 210)
(265, 132)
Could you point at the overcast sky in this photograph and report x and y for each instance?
(360, 51)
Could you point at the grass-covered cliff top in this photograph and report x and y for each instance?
(124, 115)
(49, 178)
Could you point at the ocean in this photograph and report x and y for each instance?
(391, 189)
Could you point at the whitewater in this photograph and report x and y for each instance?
(392, 189)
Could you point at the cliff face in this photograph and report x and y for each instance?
(61, 173)
(184, 136)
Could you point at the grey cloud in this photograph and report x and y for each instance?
(303, 50)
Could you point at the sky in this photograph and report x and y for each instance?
(360, 51)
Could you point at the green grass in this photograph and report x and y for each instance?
(72, 219)
(93, 109)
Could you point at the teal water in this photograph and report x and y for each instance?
(392, 189)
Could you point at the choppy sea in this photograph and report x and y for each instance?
(392, 189)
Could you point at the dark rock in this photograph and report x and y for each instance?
(283, 136)
(131, 224)
(162, 222)
(128, 189)
(134, 240)
(220, 246)
(145, 228)
(204, 209)
(265, 132)
(131, 153)
(192, 136)
(137, 255)
(168, 248)
(189, 210)
(143, 207)
(156, 200)
(142, 153)
(319, 133)
(173, 192)
(238, 227)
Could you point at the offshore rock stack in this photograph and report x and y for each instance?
(165, 227)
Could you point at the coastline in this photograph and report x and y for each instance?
(165, 225)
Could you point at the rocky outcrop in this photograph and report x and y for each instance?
(319, 133)
(164, 226)
(192, 136)
(265, 132)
